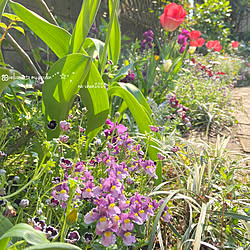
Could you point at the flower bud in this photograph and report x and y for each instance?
(191, 50)
(84, 110)
(71, 218)
(24, 203)
(168, 63)
(117, 114)
(98, 143)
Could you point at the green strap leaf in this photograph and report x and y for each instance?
(55, 37)
(138, 95)
(5, 225)
(83, 24)
(115, 35)
(95, 98)
(139, 113)
(6, 77)
(94, 47)
(21, 231)
(54, 246)
(63, 82)
(2, 7)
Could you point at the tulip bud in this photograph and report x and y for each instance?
(191, 50)
(117, 114)
(71, 218)
(167, 65)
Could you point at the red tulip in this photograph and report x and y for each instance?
(214, 45)
(217, 46)
(194, 35)
(235, 44)
(210, 44)
(198, 43)
(172, 17)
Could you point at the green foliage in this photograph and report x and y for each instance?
(212, 18)
(55, 37)
(2, 7)
(7, 76)
(83, 24)
(115, 35)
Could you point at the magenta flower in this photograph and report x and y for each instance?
(64, 138)
(65, 163)
(154, 128)
(51, 232)
(65, 126)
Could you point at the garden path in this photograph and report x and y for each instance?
(241, 96)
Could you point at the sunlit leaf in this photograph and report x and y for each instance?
(115, 35)
(55, 37)
(63, 82)
(83, 24)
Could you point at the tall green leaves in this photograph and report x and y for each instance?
(55, 37)
(138, 110)
(63, 82)
(77, 72)
(113, 16)
(115, 35)
(83, 24)
(94, 96)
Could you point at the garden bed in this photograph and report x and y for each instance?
(96, 151)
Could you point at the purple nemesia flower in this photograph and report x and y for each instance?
(128, 238)
(91, 216)
(38, 224)
(103, 224)
(154, 128)
(51, 232)
(108, 238)
(73, 237)
(65, 163)
(126, 224)
(166, 216)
